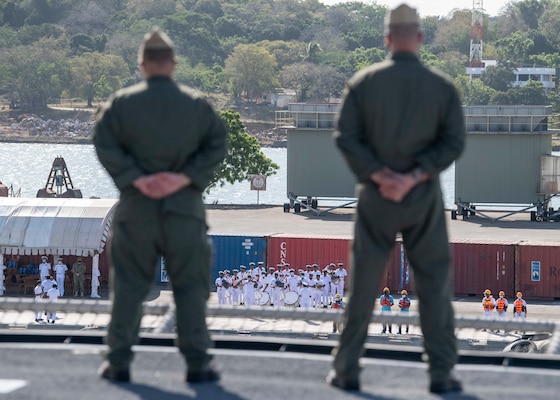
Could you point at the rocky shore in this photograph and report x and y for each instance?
(30, 128)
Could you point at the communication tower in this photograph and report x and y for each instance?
(475, 56)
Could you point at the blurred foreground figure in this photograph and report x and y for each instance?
(400, 125)
(160, 142)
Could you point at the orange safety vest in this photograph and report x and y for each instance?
(501, 304)
(487, 304)
(519, 307)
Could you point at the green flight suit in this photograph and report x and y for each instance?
(154, 126)
(401, 115)
(79, 272)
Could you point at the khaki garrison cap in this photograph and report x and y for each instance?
(402, 15)
(156, 39)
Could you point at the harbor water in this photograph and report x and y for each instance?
(26, 166)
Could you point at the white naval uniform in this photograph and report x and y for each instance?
(276, 290)
(242, 275)
(38, 290)
(44, 270)
(47, 285)
(293, 283)
(227, 280)
(326, 295)
(235, 289)
(339, 288)
(53, 294)
(305, 297)
(60, 271)
(249, 289)
(220, 291)
(319, 286)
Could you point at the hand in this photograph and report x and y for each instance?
(393, 186)
(161, 184)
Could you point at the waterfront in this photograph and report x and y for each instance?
(27, 166)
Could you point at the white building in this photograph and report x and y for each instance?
(280, 98)
(522, 75)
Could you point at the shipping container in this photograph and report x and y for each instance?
(300, 250)
(537, 270)
(479, 265)
(398, 275)
(228, 252)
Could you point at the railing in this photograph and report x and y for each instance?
(474, 123)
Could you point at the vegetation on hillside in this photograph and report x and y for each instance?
(85, 49)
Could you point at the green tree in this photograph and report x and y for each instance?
(473, 91)
(284, 52)
(361, 58)
(531, 94)
(549, 24)
(251, 69)
(451, 62)
(298, 77)
(95, 70)
(244, 156)
(194, 36)
(453, 34)
(35, 73)
(498, 77)
(514, 49)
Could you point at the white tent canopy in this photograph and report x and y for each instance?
(54, 226)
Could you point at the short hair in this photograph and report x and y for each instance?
(404, 31)
(158, 55)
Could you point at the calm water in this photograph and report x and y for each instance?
(27, 166)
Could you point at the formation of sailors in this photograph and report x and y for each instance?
(281, 285)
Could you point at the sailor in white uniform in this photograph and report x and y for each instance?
(44, 268)
(220, 290)
(341, 274)
(38, 291)
(53, 294)
(60, 272)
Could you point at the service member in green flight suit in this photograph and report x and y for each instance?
(400, 125)
(79, 272)
(160, 142)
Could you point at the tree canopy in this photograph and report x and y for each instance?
(245, 48)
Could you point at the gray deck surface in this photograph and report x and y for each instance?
(68, 372)
(268, 220)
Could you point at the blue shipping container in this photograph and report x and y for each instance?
(232, 251)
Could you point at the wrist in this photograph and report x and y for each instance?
(418, 175)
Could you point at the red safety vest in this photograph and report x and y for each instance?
(336, 305)
(404, 303)
(487, 304)
(385, 301)
(501, 304)
(519, 307)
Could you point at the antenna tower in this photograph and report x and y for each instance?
(475, 56)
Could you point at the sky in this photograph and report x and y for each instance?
(438, 7)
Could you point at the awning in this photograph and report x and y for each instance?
(54, 226)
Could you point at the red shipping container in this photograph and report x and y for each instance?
(398, 275)
(538, 270)
(300, 250)
(480, 265)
